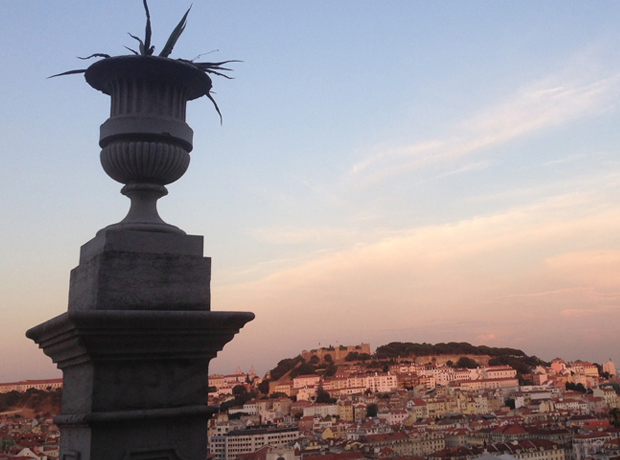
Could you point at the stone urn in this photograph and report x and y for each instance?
(135, 344)
(146, 141)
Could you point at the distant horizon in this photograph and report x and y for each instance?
(230, 369)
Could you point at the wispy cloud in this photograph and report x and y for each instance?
(586, 312)
(486, 337)
(547, 103)
(477, 166)
(300, 235)
(568, 159)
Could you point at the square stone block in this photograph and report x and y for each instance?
(131, 270)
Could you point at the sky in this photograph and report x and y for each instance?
(385, 171)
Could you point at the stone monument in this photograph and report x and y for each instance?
(136, 341)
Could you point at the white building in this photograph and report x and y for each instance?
(380, 382)
(302, 381)
(227, 446)
(320, 410)
(498, 372)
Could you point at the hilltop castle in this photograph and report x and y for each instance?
(337, 353)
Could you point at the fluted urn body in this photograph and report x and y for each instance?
(146, 142)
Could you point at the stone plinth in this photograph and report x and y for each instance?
(133, 270)
(134, 348)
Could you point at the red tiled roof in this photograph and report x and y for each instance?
(338, 456)
(382, 437)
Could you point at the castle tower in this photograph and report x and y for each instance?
(610, 368)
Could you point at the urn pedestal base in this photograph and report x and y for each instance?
(135, 347)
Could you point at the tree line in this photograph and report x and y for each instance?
(406, 349)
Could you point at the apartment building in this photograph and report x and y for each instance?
(228, 446)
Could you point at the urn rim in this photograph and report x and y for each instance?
(101, 74)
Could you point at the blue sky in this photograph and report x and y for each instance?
(412, 171)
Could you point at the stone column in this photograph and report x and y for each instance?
(136, 341)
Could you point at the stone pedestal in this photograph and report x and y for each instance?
(134, 348)
(136, 341)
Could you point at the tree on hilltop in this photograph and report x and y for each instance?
(284, 366)
(466, 363)
(404, 349)
(303, 369)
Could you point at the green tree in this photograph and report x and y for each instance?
(374, 365)
(239, 390)
(283, 367)
(315, 359)
(263, 387)
(328, 358)
(331, 370)
(405, 349)
(241, 394)
(614, 417)
(465, 362)
(230, 403)
(303, 369)
(371, 410)
(578, 387)
(510, 403)
(322, 396)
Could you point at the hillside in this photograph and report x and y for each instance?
(464, 355)
(32, 402)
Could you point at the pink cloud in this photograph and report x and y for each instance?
(486, 337)
(585, 312)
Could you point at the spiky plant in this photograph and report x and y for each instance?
(146, 49)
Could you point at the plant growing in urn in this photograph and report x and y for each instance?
(146, 141)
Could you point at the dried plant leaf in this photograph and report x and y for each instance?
(68, 72)
(215, 64)
(220, 74)
(133, 51)
(216, 107)
(141, 44)
(174, 36)
(94, 55)
(147, 33)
